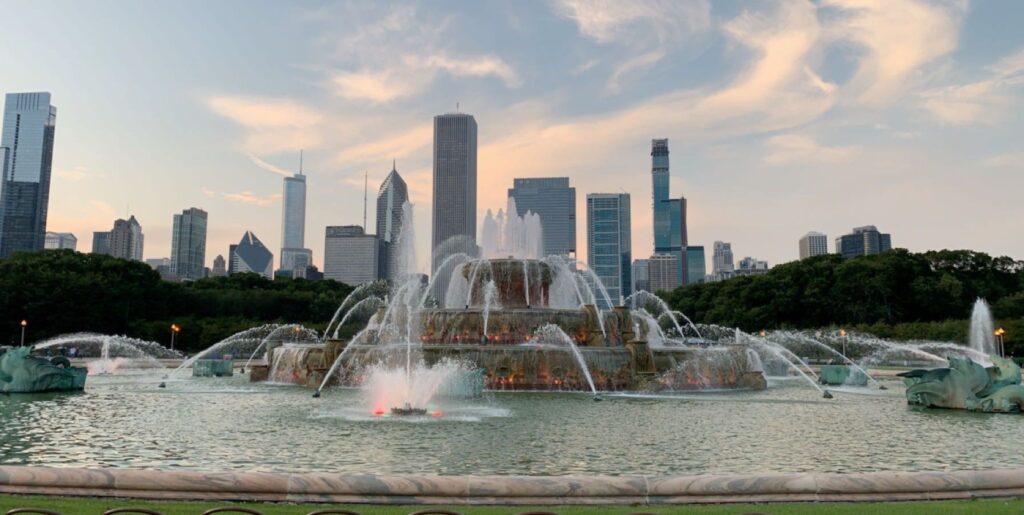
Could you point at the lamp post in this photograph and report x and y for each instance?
(174, 332)
(842, 334)
(24, 324)
(999, 340)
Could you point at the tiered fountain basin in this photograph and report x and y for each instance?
(509, 330)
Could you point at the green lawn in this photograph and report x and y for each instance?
(70, 506)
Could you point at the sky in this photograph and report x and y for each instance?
(783, 117)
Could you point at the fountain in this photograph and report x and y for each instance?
(982, 337)
(514, 321)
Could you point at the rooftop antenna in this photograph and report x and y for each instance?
(300, 161)
(392, 164)
(364, 200)
(456, 107)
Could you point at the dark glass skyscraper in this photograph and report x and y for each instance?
(609, 243)
(669, 213)
(554, 201)
(391, 198)
(188, 244)
(26, 160)
(454, 209)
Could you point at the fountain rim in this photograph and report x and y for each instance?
(512, 490)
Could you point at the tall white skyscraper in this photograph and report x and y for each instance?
(813, 244)
(26, 159)
(454, 210)
(188, 244)
(293, 224)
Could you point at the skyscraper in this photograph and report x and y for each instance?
(26, 159)
(554, 201)
(393, 194)
(721, 259)
(293, 223)
(219, 269)
(101, 242)
(250, 255)
(60, 240)
(863, 241)
(696, 268)
(125, 239)
(813, 244)
(663, 270)
(188, 244)
(641, 277)
(351, 256)
(609, 246)
(454, 209)
(670, 232)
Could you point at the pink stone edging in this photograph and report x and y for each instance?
(519, 490)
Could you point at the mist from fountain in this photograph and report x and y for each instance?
(112, 353)
(490, 302)
(374, 289)
(509, 235)
(782, 337)
(245, 342)
(792, 360)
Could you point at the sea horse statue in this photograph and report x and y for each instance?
(969, 386)
(20, 372)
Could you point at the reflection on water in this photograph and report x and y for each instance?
(228, 423)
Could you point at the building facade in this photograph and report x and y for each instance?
(670, 231)
(250, 255)
(696, 266)
(293, 223)
(609, 243)
(351, 256)
(663, 270)
(26, 160)
(60, 240)
(391, 199)
(863, 241)
(453, 221)
(219, 269)
(126, 239)
(101, 242)
(641, 278)
(813, 244)
(554, 201)
(188, 244)
(751, 266)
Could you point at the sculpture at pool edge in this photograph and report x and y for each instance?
(23, 373)
(968, 385)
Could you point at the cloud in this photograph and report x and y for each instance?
(272, 125)
(268, 167)
(633, 65)
(392, 146)
(897, 38)
(641, 22)
(986, 101)
(77, 174)
(248, 197)
(1005, 160)
(799, 149)
(264, 112)
(379, 86)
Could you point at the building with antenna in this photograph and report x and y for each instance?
(454, 208)
(294, 254)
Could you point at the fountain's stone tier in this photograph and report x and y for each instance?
(514, 326)
(533, 367)
(519, 282)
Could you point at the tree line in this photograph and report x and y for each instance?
(62, 291)
(896, 294)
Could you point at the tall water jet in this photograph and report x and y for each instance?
(982, 337)
(553, 335)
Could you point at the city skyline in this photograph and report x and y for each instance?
(767, 128)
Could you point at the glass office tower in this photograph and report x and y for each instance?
(26, 159)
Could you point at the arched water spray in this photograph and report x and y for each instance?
(552, 335)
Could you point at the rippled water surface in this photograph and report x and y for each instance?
(219, 424)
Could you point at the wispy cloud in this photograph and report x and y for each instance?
(800, 149)
(897, 37)
(1013, 160)
(637, 23)
(77, 174)
(272, 124)
(268, 167)
(248, 197)
(986, 101)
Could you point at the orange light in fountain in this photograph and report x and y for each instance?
(437, 414)
(378, 412)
